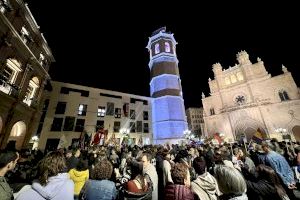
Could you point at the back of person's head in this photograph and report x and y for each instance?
(136, 168)
(53, 164)
(103, 170)
(267, 173)
(199, 165)
(179, 173)
(8, 158)
(82, 165)
(230, 180)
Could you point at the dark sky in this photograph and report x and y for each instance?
(104, 46)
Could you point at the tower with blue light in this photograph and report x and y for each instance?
(168, 112)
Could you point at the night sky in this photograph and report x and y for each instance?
(104, 46)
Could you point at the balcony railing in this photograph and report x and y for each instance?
(9, 88)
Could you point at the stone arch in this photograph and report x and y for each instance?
(248, 127)
(17, 134)
(296, 132)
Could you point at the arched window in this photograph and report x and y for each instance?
(31, 90)
(212, 111)
(167, 47)
(156, 48)
(240, 76)
(283, 95)
(227, 81)
(233, 78)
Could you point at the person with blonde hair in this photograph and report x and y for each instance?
(231, 183)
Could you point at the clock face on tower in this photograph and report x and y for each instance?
(240, 99)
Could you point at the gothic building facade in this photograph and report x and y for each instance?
(246, 98)
(25, 58)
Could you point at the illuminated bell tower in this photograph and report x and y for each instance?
(168, 112)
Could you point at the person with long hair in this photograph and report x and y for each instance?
(138, 182)
(267, 186)
(53, 181)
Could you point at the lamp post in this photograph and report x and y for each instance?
(188, 135)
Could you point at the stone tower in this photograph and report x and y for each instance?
(168, 112)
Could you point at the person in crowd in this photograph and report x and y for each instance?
(231, 183)
(280, 165)
(79, 175)
(151, 174)
(114, 158)
(167, 165)
(205, 185)
(53, 182)
(100, 186)
(267, 186)
(8, 161)
(180, 189)
(73, 160)
(138, 182)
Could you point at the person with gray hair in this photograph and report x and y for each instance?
(231, 183)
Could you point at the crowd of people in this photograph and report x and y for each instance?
(270, 170)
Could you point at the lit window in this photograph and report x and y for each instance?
(240, 76)
(9, 75)
(233, 78)
(101, 111)
(227, 81)
(82, 109)
(41, 59)
(117, 112)
(167, 47)
(156, 47)
(25, 34)
(31, 90)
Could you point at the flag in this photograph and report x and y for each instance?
(126, 109)
(257, 136)
(140, 142)
(218, 138)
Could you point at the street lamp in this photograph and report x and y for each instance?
(281, 130)
(188, 134)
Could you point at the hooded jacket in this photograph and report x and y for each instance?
(206, 187)
(58, 187)
(79, 178)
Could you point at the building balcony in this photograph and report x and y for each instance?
(9, 89)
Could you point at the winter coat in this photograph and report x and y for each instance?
(100, 189)
(206, 187)
(261, 190)
(6, 192)
(79, 178)
(178, 192)
(58, 187)
(281, 167)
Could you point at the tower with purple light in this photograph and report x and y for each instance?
(168, 112)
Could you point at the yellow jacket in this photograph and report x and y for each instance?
(79, 178)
